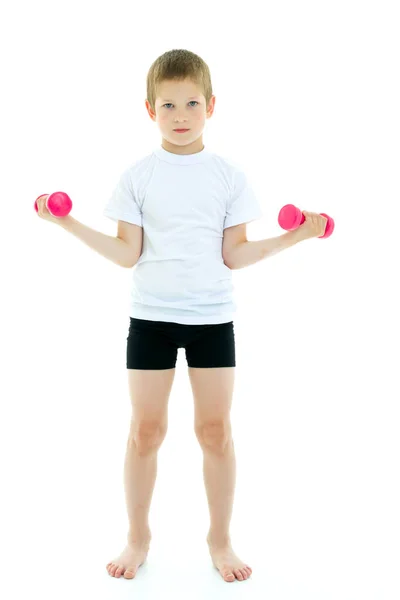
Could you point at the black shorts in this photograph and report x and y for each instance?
(154, 344)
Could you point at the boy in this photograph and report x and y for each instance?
(182, 214)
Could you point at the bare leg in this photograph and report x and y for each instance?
(219, 468)
(140, 471)
(212, 393)
(149, 391)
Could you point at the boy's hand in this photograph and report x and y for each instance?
(313, 226)
(43, 211)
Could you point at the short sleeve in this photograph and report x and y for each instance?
(123, 205)
(243, 205)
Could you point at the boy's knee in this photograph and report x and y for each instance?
(214, 435)
(148, 436)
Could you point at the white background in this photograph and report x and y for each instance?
(307, 101)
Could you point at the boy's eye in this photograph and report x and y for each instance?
(170, 104)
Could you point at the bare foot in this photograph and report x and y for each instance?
(228, 563)
(130, 560)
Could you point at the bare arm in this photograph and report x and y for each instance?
(242, 253)
(248, 253)
(113, 248)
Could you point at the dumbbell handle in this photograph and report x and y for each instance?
(59, 204)
(290, 217)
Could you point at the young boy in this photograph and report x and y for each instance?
(182, 214)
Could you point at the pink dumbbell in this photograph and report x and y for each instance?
(290, 217)
(58, 204)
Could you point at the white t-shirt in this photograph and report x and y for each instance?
(183, 203)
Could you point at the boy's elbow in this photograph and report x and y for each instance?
(131, 264)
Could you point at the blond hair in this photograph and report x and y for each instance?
(178, 65)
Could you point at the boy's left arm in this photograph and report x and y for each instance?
(245, 253)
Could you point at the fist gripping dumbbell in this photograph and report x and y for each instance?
(290, 217)
(59, 204)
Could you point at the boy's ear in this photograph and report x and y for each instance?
(150, 110)
(211, 106)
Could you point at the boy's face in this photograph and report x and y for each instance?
(181, 105)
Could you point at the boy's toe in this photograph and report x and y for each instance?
(238, 574)
(130, 573)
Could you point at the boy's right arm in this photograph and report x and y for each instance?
(113, 248)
